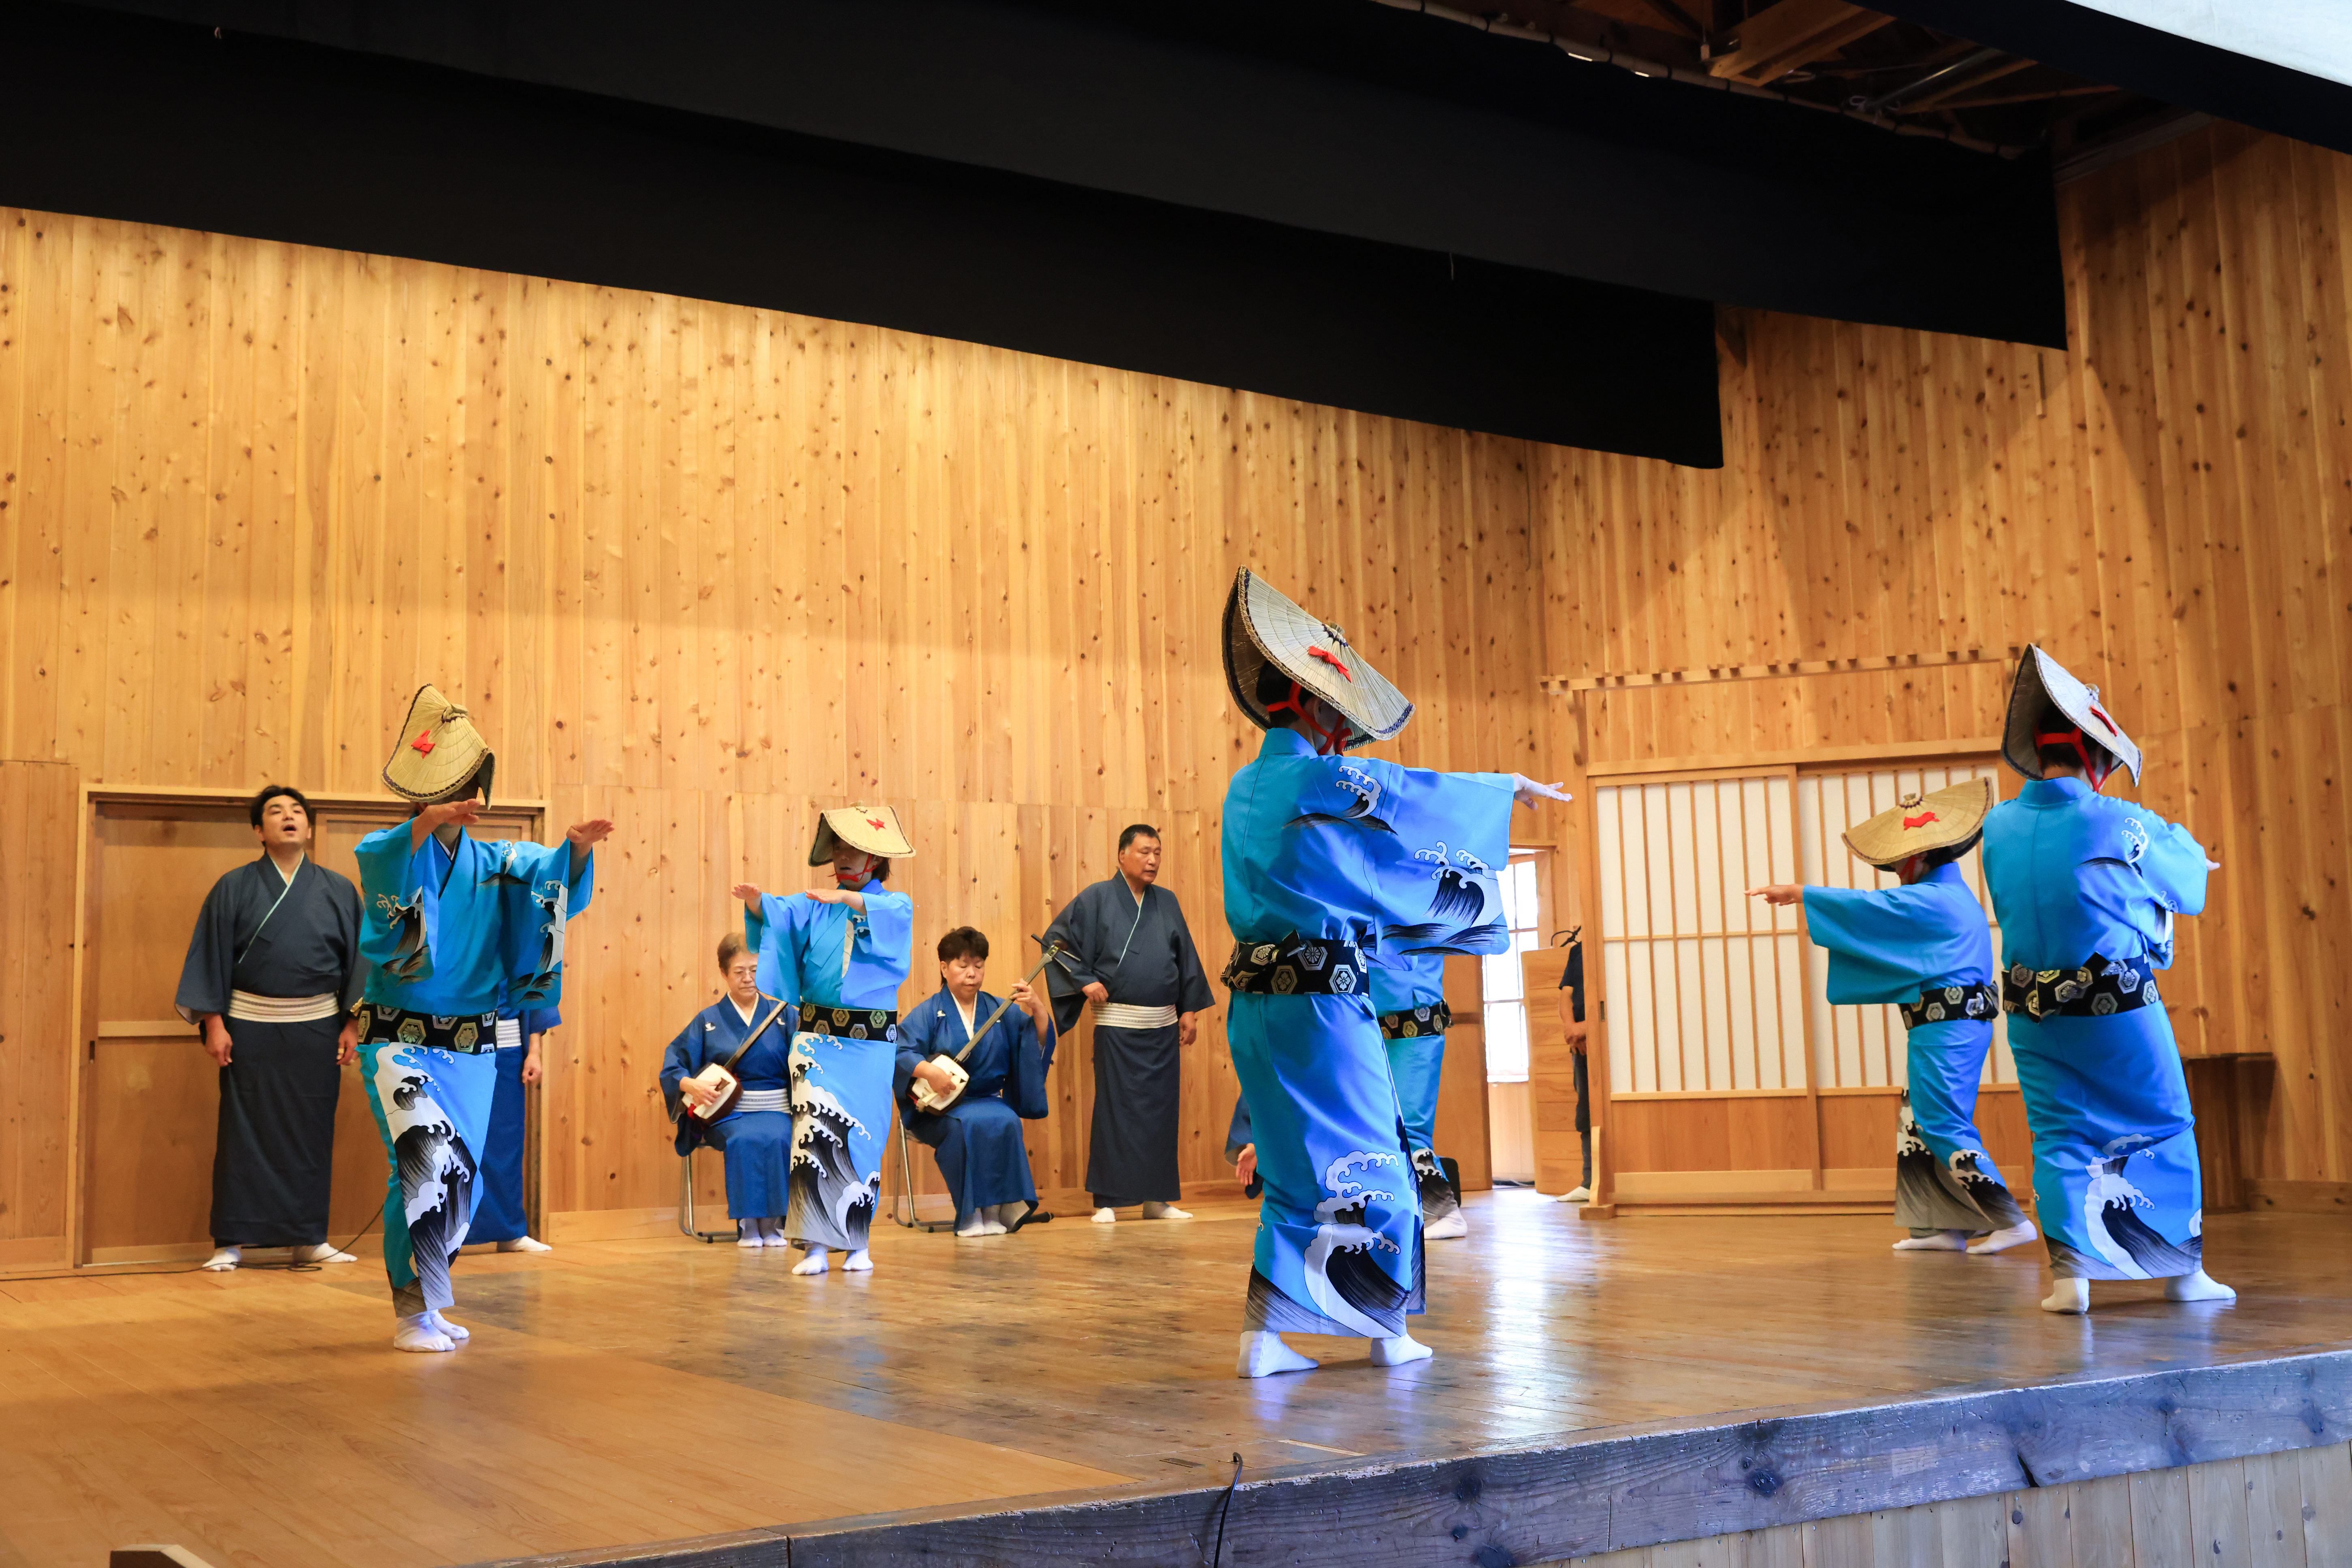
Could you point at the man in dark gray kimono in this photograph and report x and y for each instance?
(1132, 958)
(272, 975)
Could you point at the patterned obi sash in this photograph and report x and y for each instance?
(468, 1034)
(1944, 1003)
(849, 1022)
(1414, 1023)
(1294, 966)
(2098, 988)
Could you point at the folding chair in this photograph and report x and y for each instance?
(686, 1202)
(907, 1183)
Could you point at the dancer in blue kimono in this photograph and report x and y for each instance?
(837, 954)
(1326, 860)
(2087, 889)
(499, 1208)
(1409, 1001)
(744, 1029)
(977, 1139)
(1924, 946)
(451, 923)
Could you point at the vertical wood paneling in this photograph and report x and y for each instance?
(702, 568)
(2167, 505)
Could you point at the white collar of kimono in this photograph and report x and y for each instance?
(742, 1011)
(970, 1011)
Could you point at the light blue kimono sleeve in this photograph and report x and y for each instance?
(2174, 865)
(540, 894)
(399, 916)
(886, 932)
(1434, 845)
(1883, 943)
(778, 934)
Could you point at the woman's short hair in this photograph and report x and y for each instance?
(730, 948)
(962, 942)
(271, 792)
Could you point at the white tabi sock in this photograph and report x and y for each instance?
(524, 1244)
(1263, 1353)
(2017, 1235)
(2198, 1287)
(747, 1233)
(1937, 1241)
(226, 1258)
(2069, 1296)
(815, 1263)
(1577, 1195)
(1399, 1351)
(420, 1334)
(1008, 1215)
(1446, 1229)
(771, 1232)
(859, 1262)
(458, 1331)
(1105, 1216)
(978, 1225)
(324, 1252)
(1164, 1211)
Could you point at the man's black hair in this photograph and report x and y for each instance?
(1133, 831)
(271, 792)
(964, 942)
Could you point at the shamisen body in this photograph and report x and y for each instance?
(1333, 864)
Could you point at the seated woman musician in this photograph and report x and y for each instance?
(756, 1136)
(977, 1138)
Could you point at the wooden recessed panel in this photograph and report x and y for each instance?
(1744, 1132)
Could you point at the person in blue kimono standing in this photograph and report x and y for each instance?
(837, 953)
(1328, 860)
(744, 1032)
(498, 1211)
(977, 1139)
(2087, 889)
(1409, 1004)
(450, 923)
(1924, 946)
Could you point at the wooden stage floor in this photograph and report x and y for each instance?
(631, 1392)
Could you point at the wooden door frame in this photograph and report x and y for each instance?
(95, 799)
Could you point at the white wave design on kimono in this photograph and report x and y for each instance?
(2108, 1187)
(823, 1111)
(1331, 1239)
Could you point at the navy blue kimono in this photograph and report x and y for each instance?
(757, 1137)
(977, 1139)
(498, 1206)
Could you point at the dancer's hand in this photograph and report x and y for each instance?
(466, 813)
(749, 894)
(215, 1039)
(1527, 791)
(1779, 893)
(1246, 1165)
(347, 1043)
(586, 836)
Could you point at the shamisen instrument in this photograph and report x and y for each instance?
(936, 1100)
(722, 1077)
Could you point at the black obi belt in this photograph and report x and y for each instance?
(1945, 1003)
(1414, 1023)
(467, 1033)
(849, 1022)
(1294, 966)
(2094, 991)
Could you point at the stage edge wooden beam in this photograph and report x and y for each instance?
(1600, 1491)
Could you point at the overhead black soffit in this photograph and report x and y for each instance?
(2163, 65)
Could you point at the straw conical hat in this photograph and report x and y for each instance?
(872, 828)
(439, 755)
(1946, 819)
(1263, 626)
(2043, 683)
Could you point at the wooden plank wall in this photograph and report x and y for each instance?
(2292, 1509)
(39, 841)
(2167, 505)
(697, 566)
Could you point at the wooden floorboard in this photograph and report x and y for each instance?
(619, 1392)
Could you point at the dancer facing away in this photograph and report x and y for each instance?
(1324, 860)
(1408, 1003)
(2086, 889)
(837, 953)
(739, 1031)
(449, 921)
(1924, 946)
